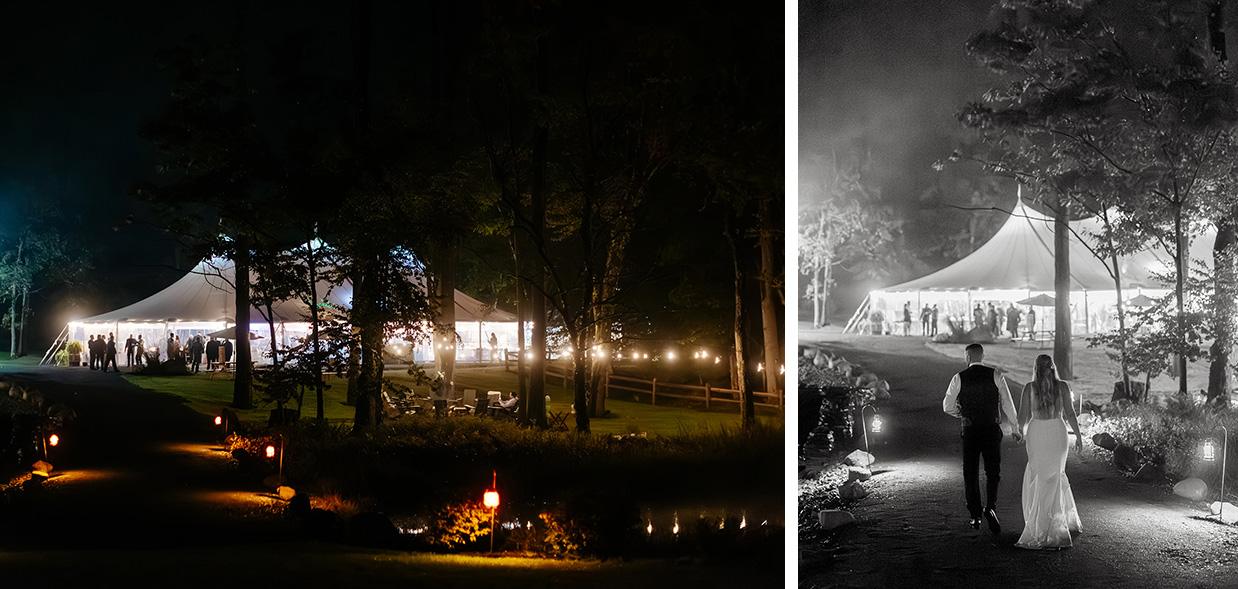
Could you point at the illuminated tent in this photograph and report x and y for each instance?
(204, 301)
(1017, 263)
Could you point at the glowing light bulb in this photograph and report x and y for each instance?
(53, 440)
(876, 427)
(1210, 450)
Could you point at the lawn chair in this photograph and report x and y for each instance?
(556, 419)
(467, 404)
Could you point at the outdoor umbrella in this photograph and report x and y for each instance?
(230, 333)
(1040, 300)
(1140, 301)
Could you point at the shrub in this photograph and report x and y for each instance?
(62, 358)
(1168, 435)
(457, 524)
(73, 347)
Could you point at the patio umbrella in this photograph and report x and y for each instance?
(1140, 301)
(230, 333)
(1040, 300)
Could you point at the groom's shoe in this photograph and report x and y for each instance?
(995, 525)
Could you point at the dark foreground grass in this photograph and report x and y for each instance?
(312, 564)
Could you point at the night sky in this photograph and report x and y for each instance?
(80, 79)
(889, 77)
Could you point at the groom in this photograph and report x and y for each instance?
(979, 396)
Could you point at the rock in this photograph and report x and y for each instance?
(860, 458)
(808, 353)
(852, 490)
(1104, 440)
(820, 360)
(299, 505)
(1150, 473)
(882, 385)
(882, 394)
(1085, 419)
(858, 473)
(372, 529)
(1192, 488)
(323, 524)
(285, 492)
(241, 454)
(867, 379)
(42, 468)
(5, 385)
(831, 519)
(844, 367)
(1229, 515)
(1091, 407)
(1126, 458)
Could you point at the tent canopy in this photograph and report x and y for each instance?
(207, 294)
(1019, 257)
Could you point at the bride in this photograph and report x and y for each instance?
(1049, 509)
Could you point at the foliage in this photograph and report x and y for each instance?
(73, 347)
(457, 524)
(1168, 435)
(62, 358)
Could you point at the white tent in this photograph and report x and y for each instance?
(1017, 263)
(204, 300)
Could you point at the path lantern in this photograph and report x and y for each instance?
(270, 451)
(1210, 456)
(491, 501)
(53, 440)
(876, 424)
(219, 420)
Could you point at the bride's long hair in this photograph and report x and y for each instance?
(1045, 379)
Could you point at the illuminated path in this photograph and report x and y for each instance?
(912, 529)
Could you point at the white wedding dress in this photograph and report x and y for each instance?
(1049, 510)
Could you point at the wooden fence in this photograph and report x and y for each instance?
(652, 390)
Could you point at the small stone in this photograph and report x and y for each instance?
(1192, 488)
(1104, 440)
(1229, 515)
(285, 492)
(1085, 419)
(858, 473)
(1126, 458)
(831, 519)
(852, 490)
(860, 458)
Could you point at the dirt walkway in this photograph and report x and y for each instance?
(912, 529)
(136, 470)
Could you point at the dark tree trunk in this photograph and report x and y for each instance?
(1061, 290)
(1225, 276)
(445, 302)
(242, 388)
(747, 407)
(771, 264)
(317, 364)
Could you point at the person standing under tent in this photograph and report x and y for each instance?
(171, 346)
(227, 350)
(906, 319)
(212, 353)
(109, 357)
(925, 313)
(92, 351)
(195, 352)
(934, 320)
(1012, 321)
(993, 325)
(977, 316)
(129, 344)
(494, 347)
(1031, 322)
(140, 348)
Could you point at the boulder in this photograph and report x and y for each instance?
(859, 458)
(882, 394)
(1150, 473)
(1085, 419)
(1090, 407)
(867, 379)
(809, 353)
(372, 529)
(299, 505)
(285, 492)
(1126, 458)
(1229, 515)
(852, 490)
(858, 473)
(1104, 440)
(1192, 488)
(831, 519)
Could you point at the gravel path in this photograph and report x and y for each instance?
(912, 529)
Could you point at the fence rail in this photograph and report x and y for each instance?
(707, 394)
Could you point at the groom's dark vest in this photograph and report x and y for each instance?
(978, 396)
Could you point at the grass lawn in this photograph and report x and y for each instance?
(320, 564)
(208, 395)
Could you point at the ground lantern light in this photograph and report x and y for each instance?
(491, 501)
(876, 425)
(1210, 456)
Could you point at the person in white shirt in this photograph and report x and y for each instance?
(979, 397)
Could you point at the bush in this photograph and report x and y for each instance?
(73, 347)
(1168, 435)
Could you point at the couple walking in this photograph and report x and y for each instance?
(980, 398)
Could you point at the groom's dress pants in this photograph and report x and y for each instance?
(981, 441)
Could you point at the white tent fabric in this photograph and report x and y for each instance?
(1017, 263)
(204, 300)
(207, 294)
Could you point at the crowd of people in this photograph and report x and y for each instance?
(999, 322)
(102, 352)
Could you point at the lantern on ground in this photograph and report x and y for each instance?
(1210, 456)
(491, 501)
(53, 440)
(875, 426)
